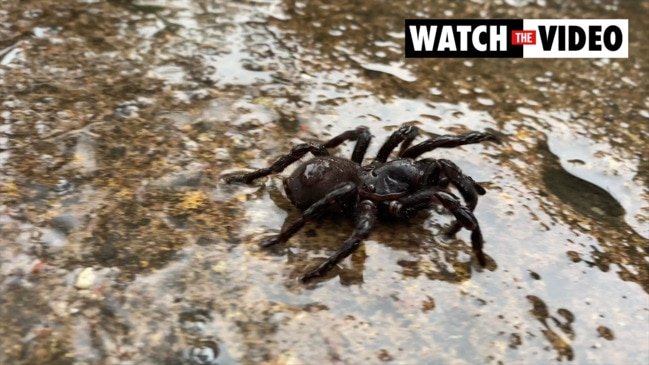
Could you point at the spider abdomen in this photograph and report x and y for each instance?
(315, 178)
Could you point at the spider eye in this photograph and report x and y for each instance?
(369, 188)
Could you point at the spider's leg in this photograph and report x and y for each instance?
(404, 134)
(361, 135)
(283, 162)
(337, 196)
(465, 217)
(364, 224)
(447, 141)
(411, 204)
(428, 198)
(468, 188)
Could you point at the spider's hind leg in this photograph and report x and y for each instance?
(361, 135)
(404, 135)
(365, 219)
(337, 196)
(283, 162)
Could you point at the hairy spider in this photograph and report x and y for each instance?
(396, 188)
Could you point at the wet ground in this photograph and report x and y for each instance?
(120, 244)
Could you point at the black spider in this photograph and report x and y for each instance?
(396, 188)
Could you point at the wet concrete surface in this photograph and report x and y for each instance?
(121, 244)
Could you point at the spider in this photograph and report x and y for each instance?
(397, 188)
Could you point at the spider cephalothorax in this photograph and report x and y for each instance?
(396, 188)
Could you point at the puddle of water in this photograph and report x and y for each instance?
(121, 245)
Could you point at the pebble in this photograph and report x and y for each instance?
(85, 279)
(221, 154)
(205, 353)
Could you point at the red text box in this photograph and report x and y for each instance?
(522, 37)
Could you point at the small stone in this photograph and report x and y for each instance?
(204, 353)
(85, 279)
(221, 154)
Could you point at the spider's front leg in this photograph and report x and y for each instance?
(468, 188)
(428, 198)
(366, 216)
(337, 196)
(441, 172)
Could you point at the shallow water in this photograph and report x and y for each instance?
(121, 245)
